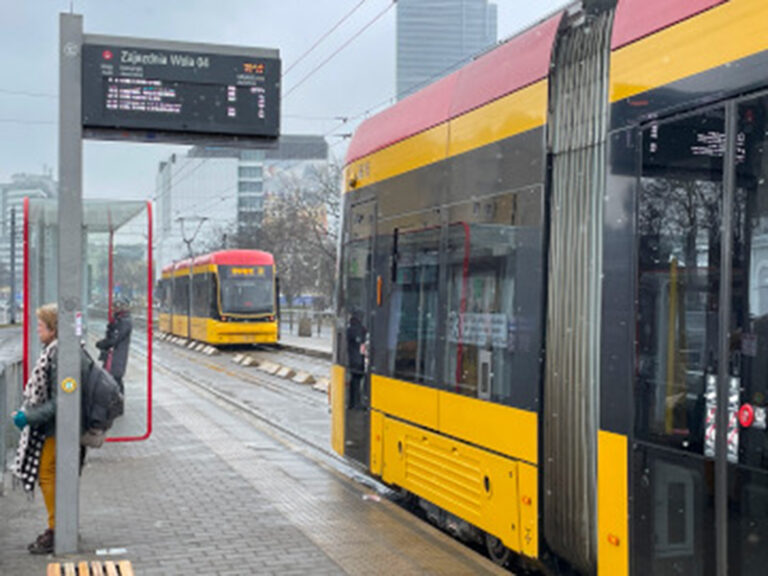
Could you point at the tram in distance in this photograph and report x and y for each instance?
(232, 298)
(552, 328)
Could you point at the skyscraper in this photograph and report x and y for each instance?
(435, 37)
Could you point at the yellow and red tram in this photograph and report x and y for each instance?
(222, 298)
(553, 293)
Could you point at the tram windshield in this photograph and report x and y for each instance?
(247, 289)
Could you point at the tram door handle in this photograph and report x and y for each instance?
(485, 375)
(710, 427)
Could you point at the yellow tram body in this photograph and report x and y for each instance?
(510, 350)
(233, 298)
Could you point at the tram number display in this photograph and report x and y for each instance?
(176, 91)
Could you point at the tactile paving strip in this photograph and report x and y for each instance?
(121, 568)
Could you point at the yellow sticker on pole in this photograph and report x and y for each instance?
(69, 385)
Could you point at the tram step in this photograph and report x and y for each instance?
(108, 568)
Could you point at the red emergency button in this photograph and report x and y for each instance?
(746, 415)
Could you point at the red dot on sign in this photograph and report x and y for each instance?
(107, 54)
(746, 415)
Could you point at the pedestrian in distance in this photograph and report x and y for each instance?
(117, 341)
(36, 454)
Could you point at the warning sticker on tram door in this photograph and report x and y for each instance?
(710, 427)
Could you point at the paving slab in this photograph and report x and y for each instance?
(215, 491)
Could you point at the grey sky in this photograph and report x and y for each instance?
(358, 79)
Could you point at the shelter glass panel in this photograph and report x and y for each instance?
(116, 294)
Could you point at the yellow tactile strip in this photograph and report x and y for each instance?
(109, 568)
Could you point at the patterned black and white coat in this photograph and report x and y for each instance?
(39, 405)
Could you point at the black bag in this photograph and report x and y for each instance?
(101, 402)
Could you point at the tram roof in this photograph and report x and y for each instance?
(491, 76)
(227, 258)
(518, 62)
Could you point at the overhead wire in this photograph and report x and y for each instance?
(354, 37)
(393, 99)
(28, 94)
(323, 37)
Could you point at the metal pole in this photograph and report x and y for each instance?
(69, 283)
(190, 293)
(723, 373)
(12, 302)
(188, 242)
(110, 275)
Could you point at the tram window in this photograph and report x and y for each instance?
(353, 327)
(213, 297)
(679, 222)
(247, 293)
(200, 295)
(494, 288)
(164, 296)
(181, 295)
(413, 307)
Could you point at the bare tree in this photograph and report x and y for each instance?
(300, 226)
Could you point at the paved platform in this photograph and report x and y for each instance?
(214, 491)
(320, 346)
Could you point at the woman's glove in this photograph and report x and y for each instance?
(20, 419)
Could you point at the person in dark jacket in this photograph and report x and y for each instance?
(36, 454)
(115, 344)
(356, 334)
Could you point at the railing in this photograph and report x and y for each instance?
(11, 383)
(306, 323)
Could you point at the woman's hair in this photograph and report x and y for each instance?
(49, 315)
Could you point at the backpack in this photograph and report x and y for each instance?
(101, 402)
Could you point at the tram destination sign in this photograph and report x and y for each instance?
(176, 92)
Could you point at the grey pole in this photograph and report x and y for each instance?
(724, 372)
(190, 293)
(12, 302)
(69, 283)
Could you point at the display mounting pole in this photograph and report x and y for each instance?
(70, 216)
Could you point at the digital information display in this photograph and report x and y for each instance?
(181, 92)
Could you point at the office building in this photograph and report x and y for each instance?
(435, 37)
(220, 191)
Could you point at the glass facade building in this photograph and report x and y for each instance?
(435, 37)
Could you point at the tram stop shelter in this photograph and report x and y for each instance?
(116, 263)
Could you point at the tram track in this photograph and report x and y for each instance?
(273, 383)
(316, 448)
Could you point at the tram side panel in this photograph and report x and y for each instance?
(660, 306)
(210, 321)
(164, 301)
(653, 489)
(476, 365)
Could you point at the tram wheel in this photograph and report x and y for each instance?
(497, 552)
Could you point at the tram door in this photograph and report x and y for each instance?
(702, 227)
(358, 293)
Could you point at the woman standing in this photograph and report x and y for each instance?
(36, 455)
